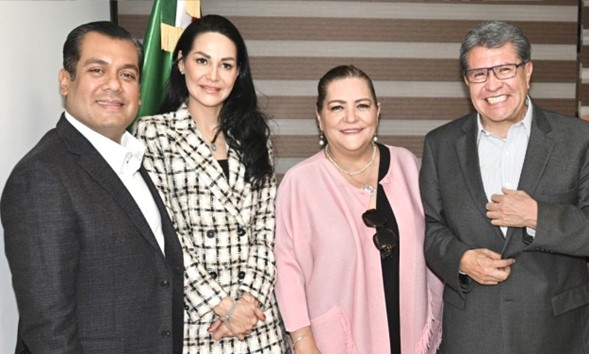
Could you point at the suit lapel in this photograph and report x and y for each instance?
(174, 257)
(96, 166)
(468, 160)
(196, 154)
(172, 245)
(538, 153)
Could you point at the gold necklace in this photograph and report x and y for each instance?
(343, 170)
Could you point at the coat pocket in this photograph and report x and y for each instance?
(571, 299)
(453, 298)
(332, 332)
(101, 346)
(569, 197)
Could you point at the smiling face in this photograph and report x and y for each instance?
(105, 92)
(210, 69)
(349, 116)
(501, 103)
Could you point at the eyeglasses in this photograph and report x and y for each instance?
(502, 72)
(385, 239)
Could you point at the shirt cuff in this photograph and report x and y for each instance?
(531, 232)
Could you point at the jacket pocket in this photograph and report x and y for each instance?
(453, 298)
(568, 197)
(332, 332)
(101, 346)
(571, 299)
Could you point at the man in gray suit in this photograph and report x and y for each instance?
(506, 198)
(95, 262)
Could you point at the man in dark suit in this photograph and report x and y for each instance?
(506, 198)
(95, 262)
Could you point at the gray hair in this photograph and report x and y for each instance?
(494, 34)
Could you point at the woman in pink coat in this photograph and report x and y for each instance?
(351, 275)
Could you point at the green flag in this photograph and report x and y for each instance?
(157, 61)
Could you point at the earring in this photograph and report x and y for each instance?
(181, 72)
(321, 139)
(375, 138)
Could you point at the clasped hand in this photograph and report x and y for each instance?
(513, 208)
(244, 318)
(485, 266)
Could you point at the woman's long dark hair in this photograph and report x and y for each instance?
(245, 127)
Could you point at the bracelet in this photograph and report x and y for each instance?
(227, 317)
(299, 338)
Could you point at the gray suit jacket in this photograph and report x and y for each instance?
(543, 307)
(88, 274)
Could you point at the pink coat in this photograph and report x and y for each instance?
(328, 269)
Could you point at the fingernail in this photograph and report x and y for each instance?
(209, 329)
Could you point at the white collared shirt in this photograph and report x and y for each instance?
(125, 159)
(501, 159)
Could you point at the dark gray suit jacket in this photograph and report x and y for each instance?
(543, 307)
(88, 274)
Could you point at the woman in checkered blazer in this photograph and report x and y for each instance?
(209, 154)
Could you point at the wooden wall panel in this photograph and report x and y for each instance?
(408, 47)
(134, 23)
(583, 88)
(383, 30)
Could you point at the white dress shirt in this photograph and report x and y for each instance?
(501, 159)
(125, 159)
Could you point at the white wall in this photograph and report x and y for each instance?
(31, 37)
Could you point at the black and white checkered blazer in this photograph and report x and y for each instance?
(226, 229)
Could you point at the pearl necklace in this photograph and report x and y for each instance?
(367, 187)
(343, 170)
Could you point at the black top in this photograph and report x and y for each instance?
(225, 166)
(390, 266)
